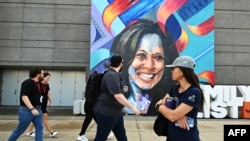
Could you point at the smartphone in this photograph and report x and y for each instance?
(190, 122)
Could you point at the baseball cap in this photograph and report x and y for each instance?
(183, 61)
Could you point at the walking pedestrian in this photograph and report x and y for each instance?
(89, 106)
(46, 93)
(30, 106)
(110, 103)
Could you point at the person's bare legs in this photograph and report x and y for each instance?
(46, 122)
(47, 126)
(31, 126)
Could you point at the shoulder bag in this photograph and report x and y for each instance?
(160, 125)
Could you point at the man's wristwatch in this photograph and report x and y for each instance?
(32, 108)
(158, 106)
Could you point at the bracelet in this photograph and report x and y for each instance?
(158, 106)
(32, 108)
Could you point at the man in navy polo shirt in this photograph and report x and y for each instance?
(110, 103)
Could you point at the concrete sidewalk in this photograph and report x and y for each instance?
(138, 128)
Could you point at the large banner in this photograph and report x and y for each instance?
(150, 34)
(226, 101)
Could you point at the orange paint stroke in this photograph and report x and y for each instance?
(208, 75)
(203, 28)
(114, 9)
(166, 9)
(182, 42)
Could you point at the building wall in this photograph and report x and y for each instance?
(53, 33)
(50, 33)
(232, 42)
(66, 86)
(56, 34)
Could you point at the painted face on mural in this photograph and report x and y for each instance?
(147, 66)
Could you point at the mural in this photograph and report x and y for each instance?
(150, 34)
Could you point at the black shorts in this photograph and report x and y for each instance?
(44, 108)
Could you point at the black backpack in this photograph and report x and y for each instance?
(93, 86)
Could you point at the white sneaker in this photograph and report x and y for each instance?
(82, 138)
(111, 134)
(31, 134)
(53, 133)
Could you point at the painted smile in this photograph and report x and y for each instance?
(146, 77)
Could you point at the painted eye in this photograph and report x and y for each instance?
(141, 55)
(159, 57)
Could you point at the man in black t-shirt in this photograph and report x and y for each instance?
(30, 106)
(110, 103)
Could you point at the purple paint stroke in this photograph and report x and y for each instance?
(96, 19)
